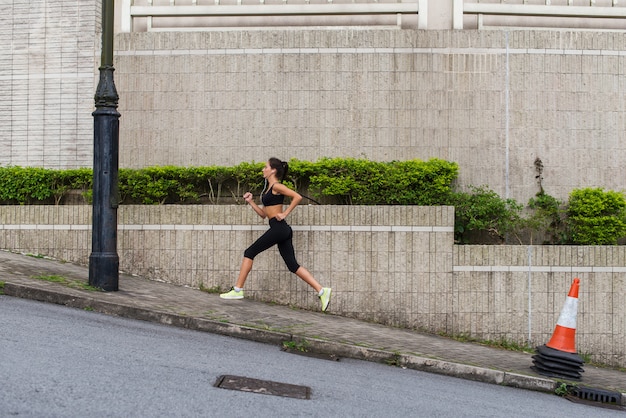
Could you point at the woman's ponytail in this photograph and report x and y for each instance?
(285, 170)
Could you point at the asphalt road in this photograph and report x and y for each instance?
(62, 362)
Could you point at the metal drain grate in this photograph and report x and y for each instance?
(265, 387)
(599, 397)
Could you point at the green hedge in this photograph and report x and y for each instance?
(332, 181)
(590, 217)
(32, 185)
(596, 216)
(481, 215)
(362, 182)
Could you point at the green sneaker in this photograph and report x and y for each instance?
(325, 298)
(232, 294)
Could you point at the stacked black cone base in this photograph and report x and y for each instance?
(556, 363)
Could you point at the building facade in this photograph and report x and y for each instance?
(494, 97)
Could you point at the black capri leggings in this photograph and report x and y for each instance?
(281, 234)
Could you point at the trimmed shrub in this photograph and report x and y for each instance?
(596, 217)
(335, 181)
(25, 185)
(362, 182)
(482, 212)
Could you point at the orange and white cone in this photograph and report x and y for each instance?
(558, 358)
(564, 336)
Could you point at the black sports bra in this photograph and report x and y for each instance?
(271, 199)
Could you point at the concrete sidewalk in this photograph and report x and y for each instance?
(322, 334)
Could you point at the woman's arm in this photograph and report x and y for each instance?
(295, 199)
(250, 199)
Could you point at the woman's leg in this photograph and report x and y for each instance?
(236, 292)
(246, 266)
(265, 241)
(305, 275)
(323, 292)
(289, 256)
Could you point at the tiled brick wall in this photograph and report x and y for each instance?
(393, 265)
(493, 101)
(493, 298)
(48, 70)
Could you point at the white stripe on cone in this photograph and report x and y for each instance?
(568, 314)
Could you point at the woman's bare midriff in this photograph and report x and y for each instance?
(272, 211)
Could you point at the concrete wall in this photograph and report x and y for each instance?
(48, 71)
(517, 292)
(493, 101)
(392, 265)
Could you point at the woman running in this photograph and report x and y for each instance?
(280, 233)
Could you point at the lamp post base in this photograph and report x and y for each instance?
(104, 271)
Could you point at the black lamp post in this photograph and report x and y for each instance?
(104, 261)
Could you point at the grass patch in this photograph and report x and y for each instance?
(51, 278)
(564, 389)
(1, 288)
(212, 290)
(34, 255)
(509, 345)
(502, 343)
(292, 345)
(213, 316)
(260, 325)
(394, 360)
(74, 284)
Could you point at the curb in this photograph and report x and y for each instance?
(149, 315)
(430, 365)
(314, 345)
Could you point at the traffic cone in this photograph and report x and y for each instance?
(564, 336)
(558, 357)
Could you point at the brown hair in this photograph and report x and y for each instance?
(281, 167)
